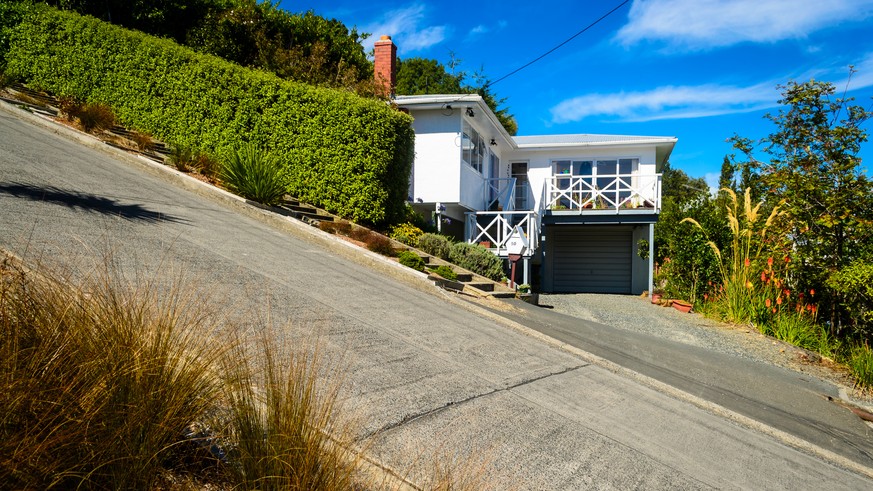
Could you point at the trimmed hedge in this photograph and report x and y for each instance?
(349, 155)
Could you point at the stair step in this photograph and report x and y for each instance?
(485, 287)
(465, 277)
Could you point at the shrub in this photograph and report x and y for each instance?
(143, 141)
(446, 272)
(797, 329)
(477, 259)
(360, 233)
(182, 157)
(95, 117)
(406, 233)
(349, 155)
(380, 244)
(861, 364)
(327, 226)
(207, 166)
(435, 245)
(411, 260)
(255, 175)
(91, 116)
(853, 285)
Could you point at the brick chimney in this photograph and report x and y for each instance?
(384, 70)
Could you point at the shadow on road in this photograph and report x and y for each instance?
(86, 202)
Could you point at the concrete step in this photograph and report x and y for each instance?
(465, 277)
(481, 285)
(41, 97)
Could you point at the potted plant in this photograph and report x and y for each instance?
(657, 294)
(523, 292)
(682, 306)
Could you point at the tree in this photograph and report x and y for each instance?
(417, 76)
(303, 47)
(685, 260)
(726, 178)
(170, 18)
(814, 165)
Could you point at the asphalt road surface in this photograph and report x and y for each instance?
(425, 373)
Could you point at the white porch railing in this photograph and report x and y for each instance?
(602, 192)
(500, 190)
(495, 227)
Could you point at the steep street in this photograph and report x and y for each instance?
(426, 373)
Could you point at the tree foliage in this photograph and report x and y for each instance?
(686, 262)
(302, 47)
(417, 76)
(813, 164)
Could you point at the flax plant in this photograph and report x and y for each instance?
(737, 267)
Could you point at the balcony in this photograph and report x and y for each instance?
(602, 194)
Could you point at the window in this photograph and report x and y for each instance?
(473, 148)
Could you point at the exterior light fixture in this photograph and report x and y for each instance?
(493, 142)
(470, 112)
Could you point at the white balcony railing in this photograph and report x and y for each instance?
(495, 227)
(602, 192)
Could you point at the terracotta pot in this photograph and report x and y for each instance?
(681, 306)
(656, 298)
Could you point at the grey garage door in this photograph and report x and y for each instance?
(592, 259)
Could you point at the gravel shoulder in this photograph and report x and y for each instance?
(639, 314)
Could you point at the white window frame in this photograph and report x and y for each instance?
(478, 152)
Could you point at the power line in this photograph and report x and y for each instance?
(547, 53)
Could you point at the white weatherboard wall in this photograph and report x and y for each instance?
(437, 157)
(540, 162)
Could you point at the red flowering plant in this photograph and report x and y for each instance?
(738, 297)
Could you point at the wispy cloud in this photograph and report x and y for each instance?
(863, 76)
(704, 24)
(408, 28)
(670, 102)
(485, 29)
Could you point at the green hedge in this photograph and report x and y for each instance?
(347, 154)
(477, 259)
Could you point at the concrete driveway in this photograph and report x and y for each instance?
(427, 373)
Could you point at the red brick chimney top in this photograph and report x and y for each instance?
(384, 68)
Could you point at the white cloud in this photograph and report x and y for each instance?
(480, 29)
(863, 76)
(711, 179)
(406, 28)
(669, 102)
(484, 29)
(702, 24)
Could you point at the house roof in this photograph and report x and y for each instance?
(588, 139)
(663, 144)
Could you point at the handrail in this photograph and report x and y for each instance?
(504, 197)
(498, 229)
(576, 192)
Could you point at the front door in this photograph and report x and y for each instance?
(522, 188)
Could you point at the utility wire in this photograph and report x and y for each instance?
(547, 53)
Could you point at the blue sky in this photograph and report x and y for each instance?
(700, 70)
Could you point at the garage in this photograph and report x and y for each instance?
(589, 259)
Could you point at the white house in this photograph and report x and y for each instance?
(586, 204)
